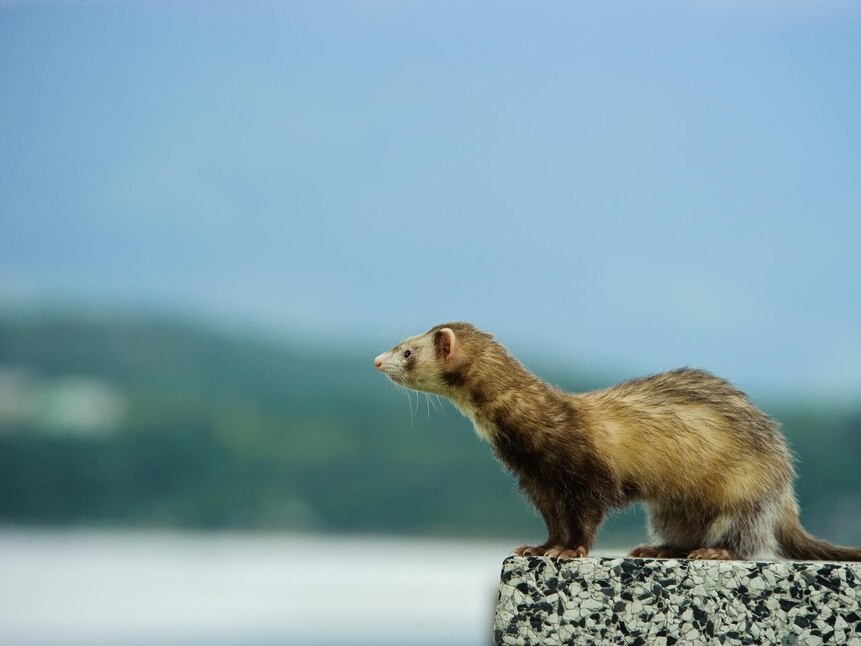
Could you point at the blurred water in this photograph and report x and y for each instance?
(73, 587)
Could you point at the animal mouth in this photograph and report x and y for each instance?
(393, 377)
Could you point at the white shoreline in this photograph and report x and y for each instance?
(109, 587)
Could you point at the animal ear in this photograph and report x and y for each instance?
(445, 343)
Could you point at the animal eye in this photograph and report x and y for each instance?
(407, 354)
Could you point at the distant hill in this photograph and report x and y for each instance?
(215, 429)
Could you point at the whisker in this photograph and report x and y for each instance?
(432, 403)
(409, 399)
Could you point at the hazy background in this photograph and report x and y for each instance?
(214, 215)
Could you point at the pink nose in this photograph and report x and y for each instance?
(378, 363)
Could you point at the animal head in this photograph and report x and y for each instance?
(435, 361)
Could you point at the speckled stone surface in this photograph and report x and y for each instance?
(663, 602)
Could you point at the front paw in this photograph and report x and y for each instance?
(530, 550)
(565, 553)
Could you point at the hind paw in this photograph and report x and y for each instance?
(655, 552)
(713, 553)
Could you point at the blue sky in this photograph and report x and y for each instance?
(600, 184)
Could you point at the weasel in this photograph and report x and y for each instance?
(713, 471)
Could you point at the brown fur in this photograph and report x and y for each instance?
(713, 471)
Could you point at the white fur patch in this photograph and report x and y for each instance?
(718, 529)
(484, 431)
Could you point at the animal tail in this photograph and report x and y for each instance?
(795, 543)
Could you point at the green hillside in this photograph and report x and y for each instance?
(221, 430)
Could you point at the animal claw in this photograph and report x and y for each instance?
(712, 553)
(552, 551)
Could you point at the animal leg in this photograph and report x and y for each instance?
(677, 530)
(737, 532)
(550, 512)
(581, 525)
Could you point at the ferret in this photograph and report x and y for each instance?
(713, 471)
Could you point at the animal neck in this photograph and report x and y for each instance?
(508, 405)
